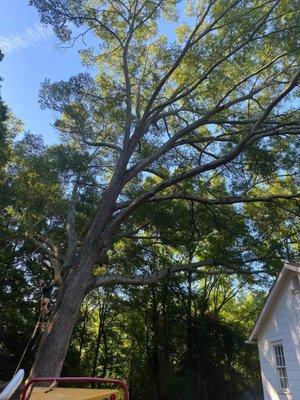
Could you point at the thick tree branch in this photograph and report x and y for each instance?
(48, 247)
(230, 156)
(151, 278)
(189, 44)
(216, 201)
(207, 73)
(110, 145)
(188, 129)
(147, 279)
(127, 77)
(71, 225)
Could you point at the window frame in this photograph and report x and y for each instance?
(280, 367)
(295, 284)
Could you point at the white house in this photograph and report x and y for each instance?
(277, 333)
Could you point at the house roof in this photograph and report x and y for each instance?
(287, 270)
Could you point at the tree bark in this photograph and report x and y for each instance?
(56, 338)
(75, 286)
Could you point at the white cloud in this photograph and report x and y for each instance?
(29, 37)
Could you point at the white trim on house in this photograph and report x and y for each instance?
(287, 270)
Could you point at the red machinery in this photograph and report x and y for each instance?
(50, 393)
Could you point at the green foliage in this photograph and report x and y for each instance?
(154, 113)
(165, 350)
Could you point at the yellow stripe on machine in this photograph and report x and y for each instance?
(43, 393)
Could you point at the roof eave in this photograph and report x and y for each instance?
(271, 299)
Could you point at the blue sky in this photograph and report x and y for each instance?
(32, 54)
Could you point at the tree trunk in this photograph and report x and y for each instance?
(155, 344)
(76, 282)
(56, 338)
(166, 324)
(105, 362)
(83, 333)
(97, 347)
(189, 327)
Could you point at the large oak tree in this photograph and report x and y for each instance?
(209, 118)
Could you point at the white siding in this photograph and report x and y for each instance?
(283, 325)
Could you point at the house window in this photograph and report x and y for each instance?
(296, 282)
(280, 366)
